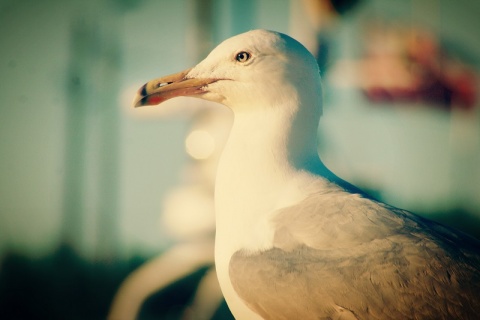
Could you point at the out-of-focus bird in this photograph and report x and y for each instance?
(293, 240)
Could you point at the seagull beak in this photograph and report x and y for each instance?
(179, 84)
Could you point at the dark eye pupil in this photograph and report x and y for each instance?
(243, 56)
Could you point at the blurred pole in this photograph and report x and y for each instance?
(200, 35)
(78, 86)
(204, 26)
(75, 141)
(108, 109)
(91, 186)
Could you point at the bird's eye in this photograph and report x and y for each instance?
(242, 56)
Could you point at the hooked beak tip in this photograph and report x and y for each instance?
(140, 97)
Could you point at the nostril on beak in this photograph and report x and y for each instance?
(163, 84)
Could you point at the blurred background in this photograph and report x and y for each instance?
(96, 196)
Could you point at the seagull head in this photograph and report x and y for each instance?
(256, 69)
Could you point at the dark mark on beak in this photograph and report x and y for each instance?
(143, 90)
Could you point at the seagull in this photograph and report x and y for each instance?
(293, 240)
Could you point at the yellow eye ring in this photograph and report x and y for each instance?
(242, 56)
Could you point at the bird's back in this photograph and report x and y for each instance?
(342, 256)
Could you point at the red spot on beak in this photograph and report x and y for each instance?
(155, 100)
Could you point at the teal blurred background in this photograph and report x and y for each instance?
(84, 177)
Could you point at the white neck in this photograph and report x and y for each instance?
(267, 154)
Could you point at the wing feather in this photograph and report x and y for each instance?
(342, 256)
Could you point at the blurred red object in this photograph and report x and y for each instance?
(410, 65)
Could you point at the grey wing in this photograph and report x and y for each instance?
(345, 257)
